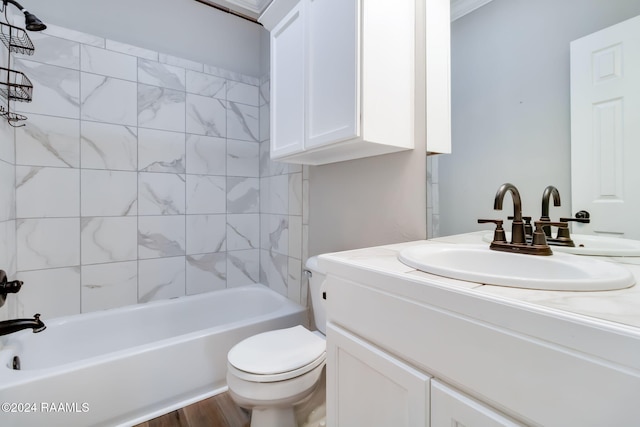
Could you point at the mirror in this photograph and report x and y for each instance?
(511, 108)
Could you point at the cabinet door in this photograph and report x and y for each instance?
(333, 89)
(368, 387)
(287, 83)
(450, 408)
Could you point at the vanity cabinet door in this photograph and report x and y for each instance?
(368, 387)
(449, 408)
(288, 83)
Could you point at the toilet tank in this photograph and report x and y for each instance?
(317, 289)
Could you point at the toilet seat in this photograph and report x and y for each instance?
(277, 355)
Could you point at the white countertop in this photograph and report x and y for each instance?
(620, 306)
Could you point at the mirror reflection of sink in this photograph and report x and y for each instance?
(477, 263)
(588, 244)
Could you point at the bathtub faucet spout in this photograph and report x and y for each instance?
(15, 325)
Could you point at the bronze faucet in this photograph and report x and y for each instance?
(15, 325)
(563, 237)
(517, 226)
(518, 242)
(546, 197)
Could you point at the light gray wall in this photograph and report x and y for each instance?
(511, 106)
(184, 28)
(368, 202)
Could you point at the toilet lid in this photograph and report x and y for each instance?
(276, 352)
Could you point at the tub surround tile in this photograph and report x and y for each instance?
(161, 108)
(206, 85)
(274, 271)
(164, 58)
(47, 243)
(206, 116)
(108, 193)
(243, 267)
(146, 175)
(55, 50)
(275, 198)
(161, 278)
(206, 272)
(243, 195)
(264, 94)
(57, 89)
(294, 281)
(230, 75)
(73, 35)
(107, 146)
(242, 122)
(140, 52)
(161, 194)
(7, 191)
(161, 151)
(161, 236)
(206, 155)
(108, 239)
(206, 233)
(105, 286)
(48, 141)
(243, 158)
(295, 237)
(7, 144)
(41, 292)
(295, 194)
(47, 192)
(275, 233)
(163, 75)
(206, 194)
(243, 231)
(243, 93)
(270, 167)
(108, 63)
(8, 246)
(107, 99)
(264, 123)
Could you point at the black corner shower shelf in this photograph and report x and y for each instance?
(10, 116)
(15, 86)
(16, 39)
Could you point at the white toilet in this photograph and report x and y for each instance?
(271, 372)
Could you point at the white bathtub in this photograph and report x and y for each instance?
(127, 365)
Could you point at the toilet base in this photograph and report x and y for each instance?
(273, 417)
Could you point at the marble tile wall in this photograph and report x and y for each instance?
(7, 204)
(142, 176)
(284, 217)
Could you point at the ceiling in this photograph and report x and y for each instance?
(251, 9)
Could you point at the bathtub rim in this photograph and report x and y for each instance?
(10, 377)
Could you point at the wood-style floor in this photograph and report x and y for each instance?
(216, 411)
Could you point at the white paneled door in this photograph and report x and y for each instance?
(605, 130)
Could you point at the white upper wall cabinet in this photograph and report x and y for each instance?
(348, 77)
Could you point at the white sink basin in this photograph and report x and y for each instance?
(588, 244)
(478, 263)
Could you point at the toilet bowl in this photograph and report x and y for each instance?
(272, 372)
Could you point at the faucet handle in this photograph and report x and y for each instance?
(580, 220)
(498, 234)
(564, 235)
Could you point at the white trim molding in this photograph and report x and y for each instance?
(459, 8)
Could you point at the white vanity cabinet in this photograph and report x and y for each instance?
(488, 361)
(450, 407)
(368, 387)
(348, 77)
